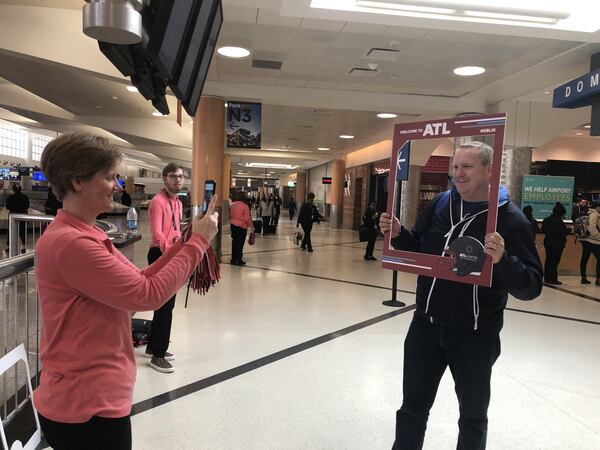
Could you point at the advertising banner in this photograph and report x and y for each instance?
(243, 125)
(463, 260)
(542, 193)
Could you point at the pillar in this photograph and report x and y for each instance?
(226, 176)
(409, 197)
(338, 167)
(516, 162)
(300, 188)
(208, 143)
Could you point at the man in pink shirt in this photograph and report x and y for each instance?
(165, 212)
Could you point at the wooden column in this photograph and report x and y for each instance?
(208, 143)
(301, 188)
(338, 166)
(226, 176)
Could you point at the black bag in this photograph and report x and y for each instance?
(257, 224)
(363, 233)
(270, 229)
(140, 331)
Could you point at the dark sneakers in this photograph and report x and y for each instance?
(161, 365)
(585, 281)
(370, 258)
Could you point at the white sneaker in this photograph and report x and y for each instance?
(161, 365)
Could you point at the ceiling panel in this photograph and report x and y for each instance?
(325, 25)
(236, 13)
(236, 30)
(272, 17)
(319, 36)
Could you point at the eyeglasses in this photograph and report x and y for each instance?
(173, 176)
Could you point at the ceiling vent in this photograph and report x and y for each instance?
(323, 111)
(307, 127)
(266, 64)
(360, 72)
(383, 54)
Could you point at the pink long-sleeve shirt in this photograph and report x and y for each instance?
(164, 217)
(239, 215)
(87, 290)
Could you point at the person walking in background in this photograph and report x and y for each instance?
(306, 217)
(370, 221)
(591, 244)
(125, 198)
(276, 208)
(52, 204)
(18, 203)
(165, 213)
(87, 290)
(292, 208)
(528, 211)
(580, 208)
(554, 242)
(265, 211)
(240, 222)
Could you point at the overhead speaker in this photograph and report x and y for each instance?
(113, 21)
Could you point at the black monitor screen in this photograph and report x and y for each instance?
(182, 85)
(191, 101)
(173, 22)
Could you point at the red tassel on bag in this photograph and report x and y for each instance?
(207, 273)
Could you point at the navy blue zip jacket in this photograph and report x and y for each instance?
(518, 273)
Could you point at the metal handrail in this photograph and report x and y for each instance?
(13, 228)
(16, 265)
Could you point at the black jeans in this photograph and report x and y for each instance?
(99, 433)
(238, 236)
(587, 250)
(266, 220)
(371, 243)
(553, 256)
(158, 343)
(306, 243)
(428, 350)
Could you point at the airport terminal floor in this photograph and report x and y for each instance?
(296, 351)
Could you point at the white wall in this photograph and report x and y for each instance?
(315, 182)
(585, 149)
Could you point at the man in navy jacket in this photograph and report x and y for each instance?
(458, 325)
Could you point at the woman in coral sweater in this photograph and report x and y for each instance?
(87, 291)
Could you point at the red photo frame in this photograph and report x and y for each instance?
(436, 265)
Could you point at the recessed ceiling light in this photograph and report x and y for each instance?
(587, 126)
(387, 115)
(233, 52)
(114, 97)
(346, 136)
(239, 164)
(132, 89)
(546, 92)
(579, 134)
(469, 71)
(323, 148)
(157, 114)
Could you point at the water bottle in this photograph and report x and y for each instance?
(132, 220)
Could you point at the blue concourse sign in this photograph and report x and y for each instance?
(542, 193)
(577, 93)
(244, 125)
(402, 162)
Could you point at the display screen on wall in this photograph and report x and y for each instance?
(9, 174)
(327, 180)
(243, 125)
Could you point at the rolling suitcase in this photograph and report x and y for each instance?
(257, 224)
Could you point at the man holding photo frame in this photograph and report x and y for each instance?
(457, 324)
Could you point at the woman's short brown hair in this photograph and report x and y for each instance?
(76, 156)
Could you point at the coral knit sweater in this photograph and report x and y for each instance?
(87, 290)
